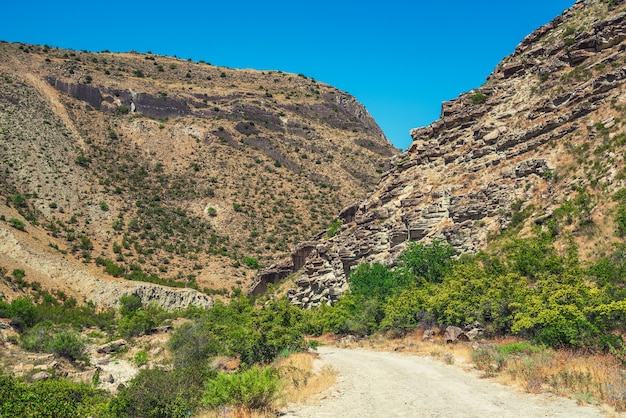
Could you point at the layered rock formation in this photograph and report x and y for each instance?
(541, 131)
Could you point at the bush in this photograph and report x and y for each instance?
(130, 304)
(139, 323)
(428, 262)
(251, 262)
(17, 224)
(156, 393)
(254, 388)
(478, 98)
(50, 399)
(334, 228)
(44, 337)
(373, 281)
(23, 313)
(69, 345)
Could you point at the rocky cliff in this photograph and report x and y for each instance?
(545, 130)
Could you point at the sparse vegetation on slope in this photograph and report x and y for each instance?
(168, 171)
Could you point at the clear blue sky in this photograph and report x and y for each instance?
(400, 58)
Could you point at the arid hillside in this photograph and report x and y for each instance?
(541, 143)
(155, 169)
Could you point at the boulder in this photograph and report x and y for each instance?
(454, 334)
(43, 375)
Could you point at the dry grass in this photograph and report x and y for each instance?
(598, 379)
(304, 381)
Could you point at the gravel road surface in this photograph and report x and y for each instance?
(383, 384)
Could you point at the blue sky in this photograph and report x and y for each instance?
(400, 58)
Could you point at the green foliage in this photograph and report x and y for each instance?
(22, 312)
(254, 388)
(69, 345)
(406, 310)
(372, 281)
(17, 224)
(141, 358)
(478, 98)
(45, 337)
(521, 347)
(50, 399)
(620, 215)
(110, 267)
(239, 330)
(130, 304)
(429, 262)
(532, 256)
(156, 393)
(555, 313)
(334, 228)
(469, 294)
(251, 262)
(141, 322)
(19, 200)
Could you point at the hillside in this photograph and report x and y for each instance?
(541, 143)
(155, 169)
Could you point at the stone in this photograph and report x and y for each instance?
(43, 375)
(454, 334)
(112, 347)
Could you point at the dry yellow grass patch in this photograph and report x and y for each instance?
(304, 381)
(599, 379)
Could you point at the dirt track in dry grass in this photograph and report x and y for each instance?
(383, 384)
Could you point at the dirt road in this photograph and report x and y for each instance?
(382, 384)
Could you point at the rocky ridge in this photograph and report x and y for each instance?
(545, 129)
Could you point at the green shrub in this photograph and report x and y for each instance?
(478, 98)
(17, 224)
(251, 262)
(156, 393)
(141, 358)
(140, 322)
(373, 281)
(255, 388)
(19, 200)
(44, 337)
(50, 399)
(22, 312)
(38, 338)
(130, 304)
(334, 228)
(429, 262)
(69, 345)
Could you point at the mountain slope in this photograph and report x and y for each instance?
(172, 172)
(542, 142)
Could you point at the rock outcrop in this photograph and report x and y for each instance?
(496, 151)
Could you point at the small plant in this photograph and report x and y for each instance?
(334, 228)
(251, 262)
(17, 224)
(211, 211)
(141, 358)
(478, 98)
(103, 206)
